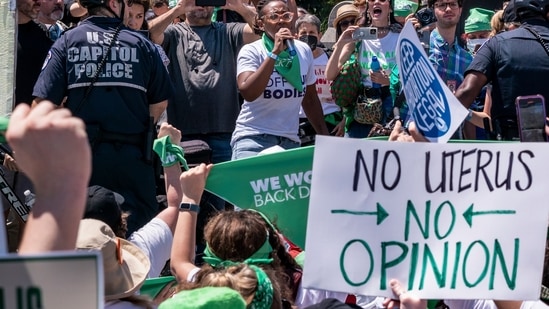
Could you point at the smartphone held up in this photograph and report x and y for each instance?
(365, 33)
(531, 118)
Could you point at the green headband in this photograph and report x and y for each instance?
(261, 256)
(263, 297)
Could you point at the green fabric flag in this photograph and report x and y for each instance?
(277, 185)
(153, 286)
(4, 122)
(286, 65)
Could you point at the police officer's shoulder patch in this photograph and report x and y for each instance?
(47, 60)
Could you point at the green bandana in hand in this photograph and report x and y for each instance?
(214, 15)
(3, 128)
(286, 65)
(169, 153)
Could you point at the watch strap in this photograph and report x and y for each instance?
(189, 207)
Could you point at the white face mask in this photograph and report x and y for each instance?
(472, 44)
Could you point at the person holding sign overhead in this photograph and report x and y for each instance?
(275, 75)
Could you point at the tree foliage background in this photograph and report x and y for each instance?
(320, 8)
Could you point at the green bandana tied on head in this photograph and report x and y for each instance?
(263, 297)
(286, 65)
(169, 153)
(261, 256)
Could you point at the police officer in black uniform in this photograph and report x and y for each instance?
(114, 79)
(515, 62)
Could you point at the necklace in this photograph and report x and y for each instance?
(383, 30)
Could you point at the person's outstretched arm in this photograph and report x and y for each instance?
(183, 248)
(249, 14)
(171, 180)
(343, 49)
(52, 149)
(160, 23)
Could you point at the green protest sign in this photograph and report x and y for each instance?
(276, 184)
(456, 221)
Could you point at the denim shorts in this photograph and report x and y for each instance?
(249, 146)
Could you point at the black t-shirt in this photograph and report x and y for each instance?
(32, 48)
(517, 65)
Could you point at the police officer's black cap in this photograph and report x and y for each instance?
(509, 15)
(525, 9)
(92, 3)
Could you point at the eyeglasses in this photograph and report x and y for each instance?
(372, 1)
(347, 23)
(444, 5)
(274, 17)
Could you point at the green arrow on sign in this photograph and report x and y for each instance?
(380, 212)
(469, 213)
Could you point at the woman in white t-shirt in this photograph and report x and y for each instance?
(275, 76)
(378, 14)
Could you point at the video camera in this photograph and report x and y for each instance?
(425, 16)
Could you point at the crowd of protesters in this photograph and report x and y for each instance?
(132, 76)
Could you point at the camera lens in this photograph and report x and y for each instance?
(372, 31)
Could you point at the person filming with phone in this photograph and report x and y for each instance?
(517, 64)
(375, 38)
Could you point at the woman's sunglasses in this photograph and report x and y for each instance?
(347, 23)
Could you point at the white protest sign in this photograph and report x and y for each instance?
(8, 49)
(53, 280)
(450, 221)
(435, 110)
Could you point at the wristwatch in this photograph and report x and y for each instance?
(189, 207)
